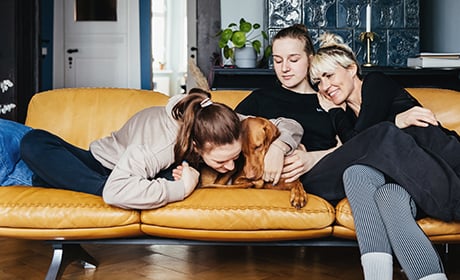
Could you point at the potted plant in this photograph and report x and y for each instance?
(241, 43)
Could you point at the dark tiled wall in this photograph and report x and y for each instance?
(395, 22)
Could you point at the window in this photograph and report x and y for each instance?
(100, 10)
(159, 39)
(169, 45)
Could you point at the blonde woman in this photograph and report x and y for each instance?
(386, 200)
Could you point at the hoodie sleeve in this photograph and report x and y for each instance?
(130, 185)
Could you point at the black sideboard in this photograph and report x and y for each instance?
(252, 78)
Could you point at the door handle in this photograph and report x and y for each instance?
(72, 51)
(193, 49)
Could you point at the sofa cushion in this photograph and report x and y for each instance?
(441, 102)
(42, 213)
(436, 230)
(96, 112)
(240, 214)
(92, 113)
(229, 97)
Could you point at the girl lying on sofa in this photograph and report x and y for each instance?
(127, 167)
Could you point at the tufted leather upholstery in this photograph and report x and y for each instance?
(240, 215)
(40, 213)
(82, 114)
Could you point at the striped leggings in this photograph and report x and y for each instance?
(384, 222)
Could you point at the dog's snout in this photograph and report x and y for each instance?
(250, 174)
(254, 171)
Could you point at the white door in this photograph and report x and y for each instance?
(99, 53)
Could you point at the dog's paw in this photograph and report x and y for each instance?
(298, 197)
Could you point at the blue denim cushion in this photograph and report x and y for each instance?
(13, 171)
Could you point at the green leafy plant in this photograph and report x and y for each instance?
(241, 35)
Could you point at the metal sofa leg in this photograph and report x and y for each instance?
(445, 255)
(63, 255)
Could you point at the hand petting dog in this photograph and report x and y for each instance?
(273, 163)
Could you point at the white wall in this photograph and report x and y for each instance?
(250, 10)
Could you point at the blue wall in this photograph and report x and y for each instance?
(46, 41)
(146, 44)
(396, 24)
(439, 23)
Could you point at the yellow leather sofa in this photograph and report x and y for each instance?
(67, 219)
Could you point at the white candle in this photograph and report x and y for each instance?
(368, 18)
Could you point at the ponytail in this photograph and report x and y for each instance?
(203, 122)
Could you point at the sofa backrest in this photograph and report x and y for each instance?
(229, 97)
(444, 103)
(81, 115)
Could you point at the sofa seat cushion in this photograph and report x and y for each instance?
(240, 214)
(43, 213)
(437, 230)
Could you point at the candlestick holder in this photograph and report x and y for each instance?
(369, 38)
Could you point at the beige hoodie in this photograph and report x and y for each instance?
(142, 148)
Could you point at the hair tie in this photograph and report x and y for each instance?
(206, 102)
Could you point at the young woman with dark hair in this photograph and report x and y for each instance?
(126, 167)
(294, 97)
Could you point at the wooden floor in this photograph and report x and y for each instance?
(23, 259)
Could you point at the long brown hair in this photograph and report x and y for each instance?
(203, 122)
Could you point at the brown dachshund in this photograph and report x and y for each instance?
(257, 134)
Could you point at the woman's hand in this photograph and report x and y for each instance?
(327, 104)
(273, 161)
(177, 173)
(188, 175)
(417, 116)
(296, 164)
(301, 161)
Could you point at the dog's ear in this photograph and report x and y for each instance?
(271, 132)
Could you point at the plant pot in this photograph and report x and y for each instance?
(245, 57)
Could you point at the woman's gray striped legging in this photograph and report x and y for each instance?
(384, 221)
